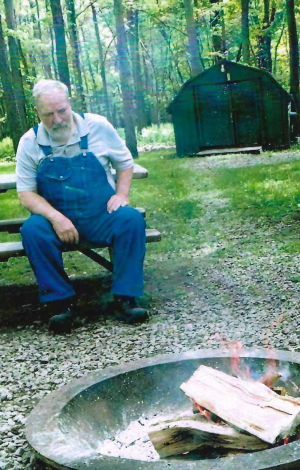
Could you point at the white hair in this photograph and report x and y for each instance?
(46, 86)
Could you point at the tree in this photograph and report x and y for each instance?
(264, 52)
(102, 64)
(293, 58)
(37, 31)
(217, 20)
(125, 79)
(14, 119)
(79, 94)
(60, 41)
(245, 35)
(139, 89)
(15, 61)
(193, 44)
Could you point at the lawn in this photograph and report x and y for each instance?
(203, 209)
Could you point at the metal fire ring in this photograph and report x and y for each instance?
(60, 448)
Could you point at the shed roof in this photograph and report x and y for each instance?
(224, 62)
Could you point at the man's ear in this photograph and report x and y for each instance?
(36, 112)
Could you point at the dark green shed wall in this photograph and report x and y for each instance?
(230, 105)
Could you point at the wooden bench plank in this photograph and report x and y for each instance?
(14, 225)
(9, 181)
(15, 249)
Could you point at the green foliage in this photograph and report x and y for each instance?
(164, 134)
(154, 135)
(7, 153)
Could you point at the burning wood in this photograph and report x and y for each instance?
(249, 405)
(185, 434)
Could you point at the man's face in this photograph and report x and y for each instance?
(54, 110)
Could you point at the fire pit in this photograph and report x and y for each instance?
(67, 427)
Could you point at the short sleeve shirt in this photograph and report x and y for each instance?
(103, 141)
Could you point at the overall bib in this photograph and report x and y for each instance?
(78, 188)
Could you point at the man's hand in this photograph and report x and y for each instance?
(116, 201)
(121, 198)
(65, 229)
(63, 226)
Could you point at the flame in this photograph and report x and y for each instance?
(236, 348)
(271, 373)
(202, 411)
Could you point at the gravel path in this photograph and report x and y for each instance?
(245, 160)
(204, 301)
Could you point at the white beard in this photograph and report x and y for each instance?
(60, 133)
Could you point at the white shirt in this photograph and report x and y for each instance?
(103, 141)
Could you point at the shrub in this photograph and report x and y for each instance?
(154, 135)
(7, 153)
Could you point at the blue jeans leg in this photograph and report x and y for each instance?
(44, 251)
(124, 230)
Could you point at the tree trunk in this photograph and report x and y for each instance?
(102, 64)
(87, 58)
(53, 54)
(125, 78)
(37, 33)
(245, 32)
(294, 59)
(264, 40)
(148, 88)
(79, 95)
(153, 90)
(193, 44)
(60, 40)
(15, 61)
(216, 21)
(277, 46)
(14, 120)
(139, 89)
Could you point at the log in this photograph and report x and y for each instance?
(249, 405)
(185, 434)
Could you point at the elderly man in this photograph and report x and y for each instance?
(64, 180)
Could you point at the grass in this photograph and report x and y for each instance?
(264, 190)
(202, 212)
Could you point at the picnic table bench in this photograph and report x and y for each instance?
(15, 248)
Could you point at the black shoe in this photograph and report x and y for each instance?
(128, 311)
(62, 323)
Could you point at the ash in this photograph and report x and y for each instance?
(132, 443)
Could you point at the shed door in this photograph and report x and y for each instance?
(213, 114)
(246, 112)
(228, 114)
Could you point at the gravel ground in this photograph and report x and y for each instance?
(201, 302)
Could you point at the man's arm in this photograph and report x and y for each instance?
(121, 198)
(63, 227)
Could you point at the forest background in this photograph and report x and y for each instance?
(127, 59)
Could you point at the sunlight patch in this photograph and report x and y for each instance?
(207, 249)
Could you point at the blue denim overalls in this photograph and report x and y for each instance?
(78, 188)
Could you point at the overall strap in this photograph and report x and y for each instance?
(83, 140)
(46, 149)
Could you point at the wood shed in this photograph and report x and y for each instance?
(230, 105)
